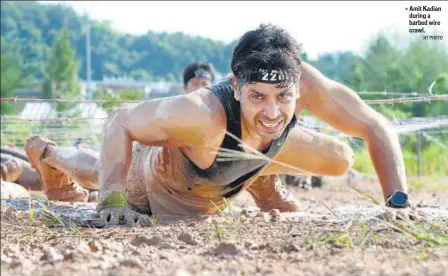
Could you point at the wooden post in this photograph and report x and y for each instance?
(419, 153)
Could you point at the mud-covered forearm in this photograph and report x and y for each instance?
(387, 157)
(115, 154)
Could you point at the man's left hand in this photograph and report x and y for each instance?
(405, 214)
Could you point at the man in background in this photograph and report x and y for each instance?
(198, 75)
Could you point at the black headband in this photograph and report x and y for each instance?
(201, 73)
(266, 76)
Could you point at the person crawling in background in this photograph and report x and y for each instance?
(184, 155)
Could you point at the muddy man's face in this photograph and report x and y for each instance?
(265, 108)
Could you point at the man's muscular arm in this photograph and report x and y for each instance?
(181, 121)
(343, 109)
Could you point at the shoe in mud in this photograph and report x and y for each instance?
(269, 193)
(55, 184)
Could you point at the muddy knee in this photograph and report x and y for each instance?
(342, 160)
(348, 158)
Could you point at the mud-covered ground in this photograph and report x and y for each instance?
(338, 232)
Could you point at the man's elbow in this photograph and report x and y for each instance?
(380, 131)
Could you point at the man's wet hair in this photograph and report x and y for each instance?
(199, 69)
(265, 49)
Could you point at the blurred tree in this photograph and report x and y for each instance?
(11, 79)
(61, 80)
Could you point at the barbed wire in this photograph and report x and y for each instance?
(416, 123)
(431, 98)
(48, 119)
(435, 140)
(427, 98)
(91, 107)
(64, 142)
(443, 131)
(49, 131)
(16, 99)
(53, 137)
(61, 132)
(68, 138)
(10, 119)
(410, 126)
(64, 128)
(423, 132)
(385, 93)
(413, 125)
(49, 134)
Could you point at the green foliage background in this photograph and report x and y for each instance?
(47, 42)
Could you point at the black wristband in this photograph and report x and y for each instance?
(397, 199)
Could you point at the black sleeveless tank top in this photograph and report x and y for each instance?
(231, 175)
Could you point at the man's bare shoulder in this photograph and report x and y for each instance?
(190, 119)
(211, 119)
(198, 114)
(312, 82)
(201, 105)
(207, 104)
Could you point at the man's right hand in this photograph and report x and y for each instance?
(113, 209)
(115, 216)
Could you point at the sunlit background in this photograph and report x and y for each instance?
(321, 26)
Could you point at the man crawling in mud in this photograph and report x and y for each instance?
(184, 155)
(15, 168)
